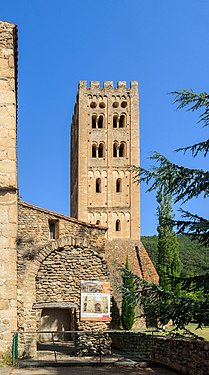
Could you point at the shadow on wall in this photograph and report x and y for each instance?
(54, 319)
(116, 320)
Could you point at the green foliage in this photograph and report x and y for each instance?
(168, 256)
(183, 184)
(128, 306)
(6, 358)
(194, 258)
(164, 306)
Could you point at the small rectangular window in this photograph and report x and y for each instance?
(53, 229)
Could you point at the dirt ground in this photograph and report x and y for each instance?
(90, 370)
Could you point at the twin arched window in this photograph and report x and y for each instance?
(98, 151)
(119, 149)
(97, 121)
(119, 121)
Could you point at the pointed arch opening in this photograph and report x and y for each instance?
(122, 150)
(118, 225)
(98, 185)
(118, 185)
(94, 151)
(101, 150)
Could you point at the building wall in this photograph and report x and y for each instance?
(33, 227)
(50, 270)
(105, 138)
(8, 183)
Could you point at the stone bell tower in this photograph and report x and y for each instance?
(104, 142)
(8, 183)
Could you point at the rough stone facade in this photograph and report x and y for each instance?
(8, 183)
(50, 270)
(183, 355)
(104, 142)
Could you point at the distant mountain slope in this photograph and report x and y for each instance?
(195, 258)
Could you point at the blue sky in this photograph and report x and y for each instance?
(164, 44)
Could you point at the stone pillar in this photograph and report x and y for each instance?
(8, 184)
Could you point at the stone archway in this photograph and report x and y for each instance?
(53, 276)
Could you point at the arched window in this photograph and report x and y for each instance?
(122, 121)
(118, 185)
(94, 151)
(94, 121)
(100, 122)
(101, 150)
(115, 121)
(122, 150)
(115, 147)
(118, 226)
(98, 222)
(98, 185)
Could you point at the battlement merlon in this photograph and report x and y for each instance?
(108, 85)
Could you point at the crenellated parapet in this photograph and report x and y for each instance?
(108, 85)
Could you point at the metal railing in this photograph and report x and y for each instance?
(81, 346)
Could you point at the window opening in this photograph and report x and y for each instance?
(122, 150)
(98, 222)
(122, 121)
(53, 229)
(98, 185)
(115, 105)
(93, 104)
(100, 122)
(94, 121)
(124, 104)
(118, 185)
(118, 226)
(101, 150)
(94, 151)
(115, 150)
(115, 120)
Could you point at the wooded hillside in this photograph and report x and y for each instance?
(195, 258)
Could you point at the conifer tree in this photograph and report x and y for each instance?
(128, 306)
(169, 263)
(183, 184)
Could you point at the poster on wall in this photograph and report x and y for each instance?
(95, 301)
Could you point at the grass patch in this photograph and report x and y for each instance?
(169, 330)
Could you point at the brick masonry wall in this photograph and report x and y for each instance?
(8, 184)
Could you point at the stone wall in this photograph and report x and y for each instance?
(33, 227)
(51, 270)
(186, 356)
(8, 183)
(183, 355)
